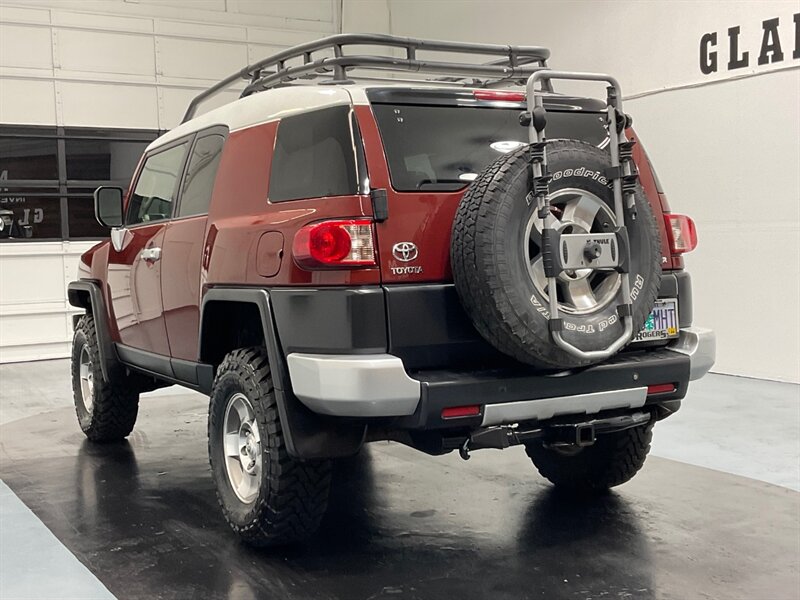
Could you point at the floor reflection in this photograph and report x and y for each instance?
(143, 516)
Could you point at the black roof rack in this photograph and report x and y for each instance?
(515, 66)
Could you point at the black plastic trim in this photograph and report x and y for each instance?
(307, 435)
(148, 362)
(447, 388)
(193, 375)
(685, 303)
(87, 294)
(331, 320)
(422, 324)
(678, 284)
(428, 328)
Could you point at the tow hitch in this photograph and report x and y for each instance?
(580, 435)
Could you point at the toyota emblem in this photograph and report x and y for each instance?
(405, 251)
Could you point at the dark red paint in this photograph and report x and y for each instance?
(246, 240)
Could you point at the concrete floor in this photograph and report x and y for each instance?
(142, 521)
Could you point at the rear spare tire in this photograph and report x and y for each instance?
(497, 262)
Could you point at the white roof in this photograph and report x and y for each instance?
(274, 104)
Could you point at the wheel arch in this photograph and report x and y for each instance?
(223, 312)
(86, 294)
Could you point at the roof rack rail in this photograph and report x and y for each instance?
(516, 66)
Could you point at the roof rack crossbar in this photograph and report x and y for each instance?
(340, 65)
(273, 70)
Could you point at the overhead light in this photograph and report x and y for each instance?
(506, 146)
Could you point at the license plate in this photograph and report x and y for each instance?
(662, 323)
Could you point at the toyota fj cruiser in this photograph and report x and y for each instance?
(462, 262)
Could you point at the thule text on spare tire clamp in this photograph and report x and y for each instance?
(571, 251)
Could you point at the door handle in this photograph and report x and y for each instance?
(151, 254)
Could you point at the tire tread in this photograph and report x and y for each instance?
(297, 491)
(613, 460)
(116, 402)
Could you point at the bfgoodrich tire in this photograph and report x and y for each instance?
(498, 268)
(612, 460)
(267, 497)
(106, 408)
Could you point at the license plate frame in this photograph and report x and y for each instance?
(662, 323)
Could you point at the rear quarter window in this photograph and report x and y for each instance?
(314, 156)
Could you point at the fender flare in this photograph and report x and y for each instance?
(307, 435)
(87, 294)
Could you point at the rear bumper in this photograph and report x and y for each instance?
(700, 345)
(377, 385)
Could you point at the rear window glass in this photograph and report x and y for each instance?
(445, 147)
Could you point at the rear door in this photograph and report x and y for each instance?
(181, 265)
(435, 143)
(134, 271)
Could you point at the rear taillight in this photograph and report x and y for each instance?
(681, 233)
(335, 245)
(499, 95)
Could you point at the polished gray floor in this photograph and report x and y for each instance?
(747, 427)
(676, 531)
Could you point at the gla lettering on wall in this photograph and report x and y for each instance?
(771, 50)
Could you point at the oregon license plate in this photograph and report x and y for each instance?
(662, 323)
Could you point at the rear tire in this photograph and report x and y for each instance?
(267, 497)
(106, 409)
(612, 460)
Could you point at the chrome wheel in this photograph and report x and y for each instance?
(242, 444)
(580, 291)
(87, 380)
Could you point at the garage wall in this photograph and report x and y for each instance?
(116, 64)
(726, 143)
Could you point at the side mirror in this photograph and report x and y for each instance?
(108, 206)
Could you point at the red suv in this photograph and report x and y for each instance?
(461, 262)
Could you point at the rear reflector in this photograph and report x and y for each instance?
(499, 95)
(461, 411)
(681, 232)
(660, 388)
(335, 245)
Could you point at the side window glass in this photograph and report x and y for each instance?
(155, 190)
(199, 180)
(314, 156)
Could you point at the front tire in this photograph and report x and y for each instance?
(612, 460)
(106, 409)
(267, 497)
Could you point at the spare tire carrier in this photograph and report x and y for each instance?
(571, 251)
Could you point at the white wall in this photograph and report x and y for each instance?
(116, 63)
(726, 145)
(137, 63)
